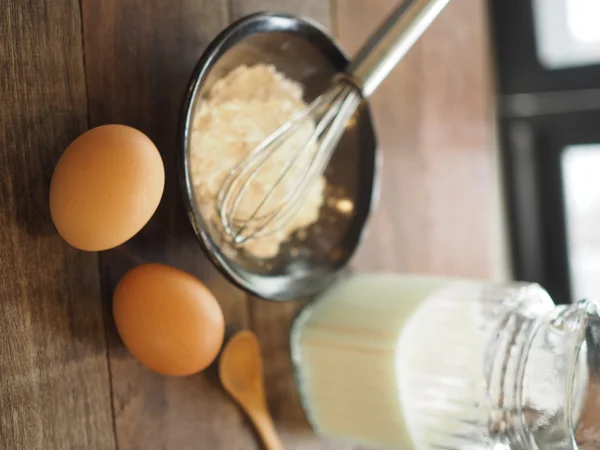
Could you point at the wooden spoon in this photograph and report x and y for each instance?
(241, 373)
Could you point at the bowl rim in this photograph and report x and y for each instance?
(277, 22)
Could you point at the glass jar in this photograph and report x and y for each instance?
(430, 363)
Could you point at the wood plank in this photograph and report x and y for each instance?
(314, 9)
(136, 77)
(437, 140)
(138, 64)
(395, 230)
(54, 383)
(434, 121)
(271, 321)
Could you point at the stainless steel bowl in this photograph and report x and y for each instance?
(304, 52)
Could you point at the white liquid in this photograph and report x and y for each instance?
(395, 361)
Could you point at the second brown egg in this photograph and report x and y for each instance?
(168, 319)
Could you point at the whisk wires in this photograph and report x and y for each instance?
(329, 113)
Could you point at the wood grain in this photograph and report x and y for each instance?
(271, 321)
(436, 137)
(138, 63)
(314, 9)
(438, 180)
(54, 383)
(433, 116)
(435, 133)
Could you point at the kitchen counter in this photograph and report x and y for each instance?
(66, 381)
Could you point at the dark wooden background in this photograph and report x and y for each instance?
(66, 382)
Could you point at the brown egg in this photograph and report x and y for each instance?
(168, 319)
(105, 187)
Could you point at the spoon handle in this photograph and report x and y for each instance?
(266, 429)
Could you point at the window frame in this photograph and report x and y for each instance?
(540, 113)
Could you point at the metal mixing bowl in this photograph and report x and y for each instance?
(304, 52)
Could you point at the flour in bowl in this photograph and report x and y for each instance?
(240, 111)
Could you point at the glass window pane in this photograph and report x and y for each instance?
(581, 180)
(567, 32)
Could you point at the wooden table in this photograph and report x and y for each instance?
(66, 382)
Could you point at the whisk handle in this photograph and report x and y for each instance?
(382, 51)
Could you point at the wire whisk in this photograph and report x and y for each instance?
(330, 112)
